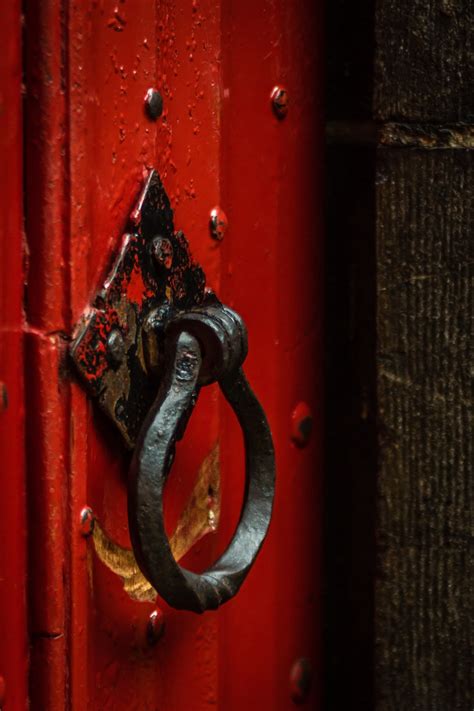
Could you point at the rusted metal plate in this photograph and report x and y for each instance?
(117, 345)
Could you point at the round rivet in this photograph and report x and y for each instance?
(155, 627)
(300, 680)
(218, 223)
(301, 424)
(153, 104)
(87, 521)
(279, 97)
(116, 346)
(162, 250)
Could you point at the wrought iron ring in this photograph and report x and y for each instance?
(203, 345)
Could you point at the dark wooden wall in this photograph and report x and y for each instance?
(424, 85)
(415, 487)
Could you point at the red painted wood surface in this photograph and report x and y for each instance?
(88, 67)
(13, 637)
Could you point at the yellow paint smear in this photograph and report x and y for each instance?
(200, 517)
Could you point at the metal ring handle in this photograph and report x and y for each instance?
(181, 588)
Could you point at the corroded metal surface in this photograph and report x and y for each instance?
(153, 278)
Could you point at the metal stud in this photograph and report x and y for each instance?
(301, 424)
(153, 104)
(279, 99)
(115, 347)
(163, 251)
(218, 223)
(87, 521)
(155, 627)
(300, 680)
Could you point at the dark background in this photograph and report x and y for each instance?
(350, 358)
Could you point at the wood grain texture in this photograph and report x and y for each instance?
(422, 121)
(425, 364)
(424, 60)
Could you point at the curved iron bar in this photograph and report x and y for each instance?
(154, 451)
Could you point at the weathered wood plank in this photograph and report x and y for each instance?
(425, 364)
(423, 116)
(424, 68)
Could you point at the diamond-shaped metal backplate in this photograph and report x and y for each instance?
(117, 343)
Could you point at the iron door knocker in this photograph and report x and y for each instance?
(153, 337)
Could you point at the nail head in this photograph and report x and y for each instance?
(163, 251)
(115, 347)
(301, 424)
(218, 223)
(153, 104)
(87, 521)
(279, 98)
(300, 680)
(155, 627)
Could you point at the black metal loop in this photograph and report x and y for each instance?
(181, 588)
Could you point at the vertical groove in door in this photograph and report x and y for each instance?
(13, 632)
(47, 327)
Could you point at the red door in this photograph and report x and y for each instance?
(224, 139)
